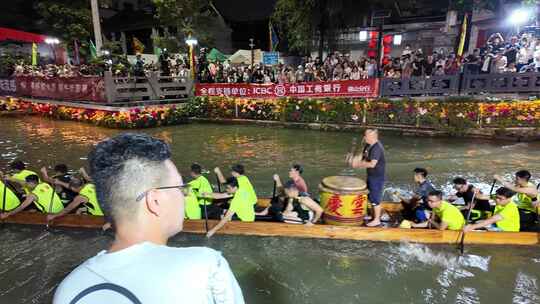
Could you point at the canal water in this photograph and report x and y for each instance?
(287, 270)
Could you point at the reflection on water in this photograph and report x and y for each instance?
(283, 270)
(286, 270)
(265, 151)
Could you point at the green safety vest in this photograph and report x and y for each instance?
(241, 205)
(451, 215)
(510, 215)
(21, 176)
(245, 184)
(89, 191)
(12, 201)
(201, 185)
(192, 209)
(44, 192)
(523, 201)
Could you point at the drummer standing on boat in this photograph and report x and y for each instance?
(373, 160)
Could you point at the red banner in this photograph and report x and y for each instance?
(344, 88)
(73, 89)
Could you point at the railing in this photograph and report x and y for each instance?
(417, 86)
(461, 84)
(154, 87)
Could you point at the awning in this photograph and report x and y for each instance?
(11, 34)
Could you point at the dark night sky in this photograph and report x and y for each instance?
(248, 19)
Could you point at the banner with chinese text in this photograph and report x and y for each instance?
(344, 88)
(76, 88)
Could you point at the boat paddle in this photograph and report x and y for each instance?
(50, 208)
(274, 191)
(462, 241)
(218, 183)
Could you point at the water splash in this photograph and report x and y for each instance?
(526, 290)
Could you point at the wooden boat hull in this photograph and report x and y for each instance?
(316, 231)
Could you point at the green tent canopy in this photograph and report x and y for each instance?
(216, 55)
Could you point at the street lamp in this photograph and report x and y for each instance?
(52, 42)
(251, 45)
(520, 16)
(191, 42)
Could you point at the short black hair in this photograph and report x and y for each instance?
(459, 181)
(196, 168)
(110, 161)
(298, 168)
(232, 182)
(17, 165)
(503, 191)
(238, 168)
(32, 178)
(421, 171)
(61, 168)
(436, 193)
(524, 174)
(290, 185)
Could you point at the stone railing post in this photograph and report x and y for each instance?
(110, 87)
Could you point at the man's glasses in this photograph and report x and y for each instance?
(184, 188)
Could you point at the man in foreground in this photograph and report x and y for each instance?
(373, 160)
(505, 216)
(444, 215)
(139, 187)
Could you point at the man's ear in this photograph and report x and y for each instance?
(152, 204)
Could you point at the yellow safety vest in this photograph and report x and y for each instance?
(523, 201)
(12, 201)
(245, 184)
(451, 215)
(201, 185)
(89, 191)
(45, 193)
(21, 176)
(510, 215)
(242, 206)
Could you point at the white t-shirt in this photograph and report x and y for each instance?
(154, 274)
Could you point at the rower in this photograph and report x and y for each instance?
(505, 216)
(412, 209)
(86, 197)
(301, 209)
(42, 195)
(200, 184)
(61, 174)
(240, 204)
(480, 207)
(295, 174)
(444, 215)
(527, 198)
(20, 173)
(140, 188)
(238, 172)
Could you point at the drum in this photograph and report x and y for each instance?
(344, 200)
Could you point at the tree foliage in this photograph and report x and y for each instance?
(300, 22)
(189, 17)
(66, 19)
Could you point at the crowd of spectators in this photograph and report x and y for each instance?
(53, 70)
(517, 54)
